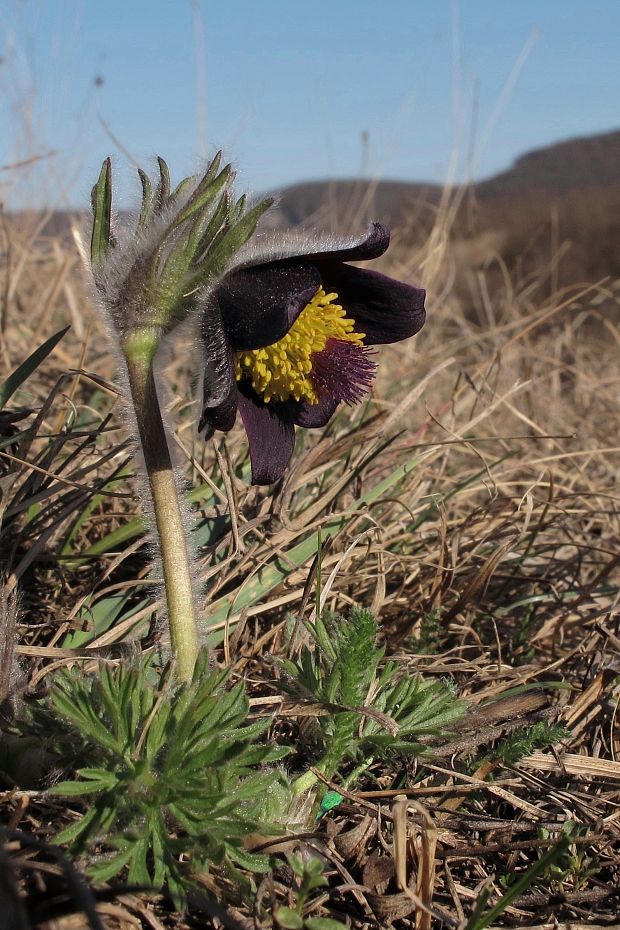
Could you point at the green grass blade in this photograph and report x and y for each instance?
(27, 368)
(480, 922)
(103, 615)
(269, 577)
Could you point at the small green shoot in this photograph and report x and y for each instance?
(573, 870)
(525, 740)
(309, 876)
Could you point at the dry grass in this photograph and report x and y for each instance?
(472, 504)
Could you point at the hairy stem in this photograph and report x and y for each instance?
(139, 350)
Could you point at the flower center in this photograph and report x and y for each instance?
(308, 363)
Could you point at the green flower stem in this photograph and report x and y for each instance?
(139, 349)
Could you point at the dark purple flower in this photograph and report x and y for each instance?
(287, 335)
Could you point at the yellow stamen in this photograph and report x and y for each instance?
(281, 371)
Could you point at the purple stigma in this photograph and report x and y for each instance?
(343, 371)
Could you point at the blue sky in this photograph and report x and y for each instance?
(288, 87)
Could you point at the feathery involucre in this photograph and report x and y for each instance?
(148, 276)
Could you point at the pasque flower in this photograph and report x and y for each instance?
(288, 335)
(287, 327)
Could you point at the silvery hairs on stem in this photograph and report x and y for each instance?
(149, 277)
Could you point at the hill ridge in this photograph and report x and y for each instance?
(566, 165)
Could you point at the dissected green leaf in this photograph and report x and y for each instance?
(204, 196)
(108, 868)
(166, 769)
(323, 923)
(73, 789)
(238, 234)
(148, 197)
(79, 829)
(162, 191)
(288, 918)
(101, 201)
(347, 676)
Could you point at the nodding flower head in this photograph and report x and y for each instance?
(288, 335)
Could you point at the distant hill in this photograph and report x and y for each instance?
(561, 167)
(348, 202)
(565, 166)
(561, 199)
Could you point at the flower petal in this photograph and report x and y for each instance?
(219, 388)
(312, 416)
(277, 246)
(374, 244)
(271, 434)
(259, 305)
(384, 309)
